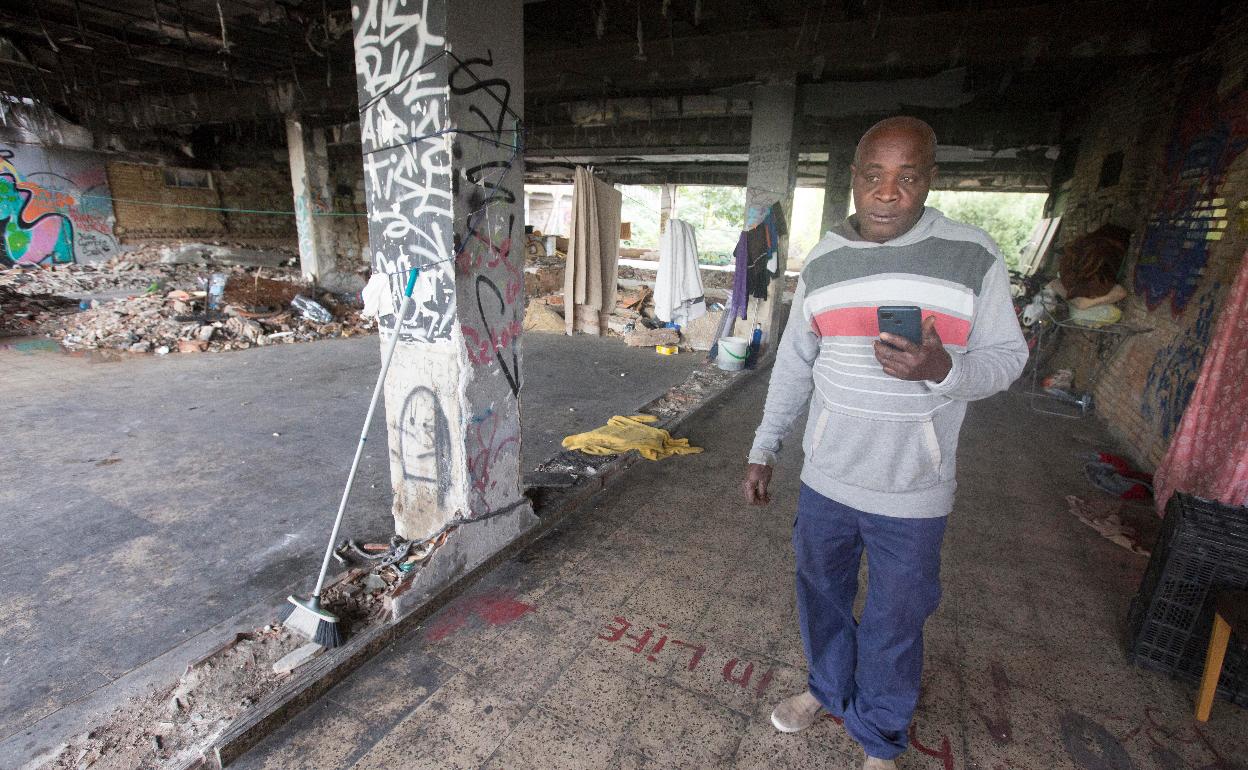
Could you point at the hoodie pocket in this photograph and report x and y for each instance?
(881, 455)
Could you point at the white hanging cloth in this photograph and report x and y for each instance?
(678, 295)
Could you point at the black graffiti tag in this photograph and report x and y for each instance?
(513, 373)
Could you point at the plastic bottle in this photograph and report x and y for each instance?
(756, 342)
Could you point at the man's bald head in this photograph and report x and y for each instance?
(902, 126)
(894, 167)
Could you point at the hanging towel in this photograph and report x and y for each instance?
(678, 295)
(589, 282)
(621, 434)
(1208, 456)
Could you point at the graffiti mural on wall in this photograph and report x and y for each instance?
(1210, 134)
(53, 217)
(1172, 377)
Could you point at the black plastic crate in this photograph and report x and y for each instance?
(1202, 547)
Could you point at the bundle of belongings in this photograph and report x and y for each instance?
(1088, 274)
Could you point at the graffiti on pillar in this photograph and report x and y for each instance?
(1211, 132)
(487, 148)
(56, 216)
(1172, 378)
(491, 436)
(407, 159)
(425, 441)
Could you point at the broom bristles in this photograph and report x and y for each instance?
(308, 619)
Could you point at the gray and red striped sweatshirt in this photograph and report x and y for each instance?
(874, 442)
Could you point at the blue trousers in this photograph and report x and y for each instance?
(867, 673)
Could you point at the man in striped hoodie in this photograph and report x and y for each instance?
(882, 431)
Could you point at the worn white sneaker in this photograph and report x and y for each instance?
(796, 713)
(875, 763)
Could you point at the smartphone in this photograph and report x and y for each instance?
(902, 320)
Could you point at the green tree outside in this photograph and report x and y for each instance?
(1008, 217)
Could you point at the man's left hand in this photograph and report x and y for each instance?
(905, 360)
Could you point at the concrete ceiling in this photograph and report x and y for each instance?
(643, 87)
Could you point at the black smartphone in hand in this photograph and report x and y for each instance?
(902, 320)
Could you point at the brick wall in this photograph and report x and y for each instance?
(346, 186)
(1183, 132)
(257, 189)
(242, 190)
(131, 182)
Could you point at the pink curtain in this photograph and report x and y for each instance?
(1208, 456)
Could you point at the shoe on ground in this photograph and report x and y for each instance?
(796, 713)
(875, 763)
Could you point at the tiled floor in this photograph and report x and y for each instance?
(657, 629)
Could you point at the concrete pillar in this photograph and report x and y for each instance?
(836, 186)
(667, 204)
(309, 181)
(771, 177)
(440, 86)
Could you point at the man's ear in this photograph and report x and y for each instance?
(931, 175)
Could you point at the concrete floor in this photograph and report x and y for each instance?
(145, 500)
(657, 629)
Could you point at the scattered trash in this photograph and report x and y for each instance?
(666, 350)
(312, 310)
(216, 290)
(112, 305)
(1062, 379)
(1105, 518)
(1113, 474)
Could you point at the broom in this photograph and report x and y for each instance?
(308, 617)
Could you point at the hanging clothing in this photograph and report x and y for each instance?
(1208, 456)
(740, 300)
(763, 251)
(678, 295)
(589, 283)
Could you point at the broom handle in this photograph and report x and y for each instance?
(368, 420)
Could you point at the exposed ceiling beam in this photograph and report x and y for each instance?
(887, 46)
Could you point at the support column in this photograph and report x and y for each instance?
(309, 180)
(441, 92)
(667, 204)
(771, 177)
(836, 186)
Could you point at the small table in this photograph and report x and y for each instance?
(1109, 338)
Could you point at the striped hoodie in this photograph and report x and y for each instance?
(874, 442)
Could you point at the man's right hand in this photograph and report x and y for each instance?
(757, 477)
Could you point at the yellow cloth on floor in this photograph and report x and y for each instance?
(621, 434)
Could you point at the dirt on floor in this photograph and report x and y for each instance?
(170, 726)
(174, 725)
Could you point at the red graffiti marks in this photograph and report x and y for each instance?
(493, 609)
(944, 753)
(487, 439)
(998, 722)
(735, 671)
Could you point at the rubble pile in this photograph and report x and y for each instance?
(137, 303)
(23, 314)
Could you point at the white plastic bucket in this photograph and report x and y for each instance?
(732, 353)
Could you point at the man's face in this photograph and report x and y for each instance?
(892, 175)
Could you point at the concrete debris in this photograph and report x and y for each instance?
(296, 658)
(648, 338)
(187, 715)
(138, 304)
(700, 334)
(541, 317)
